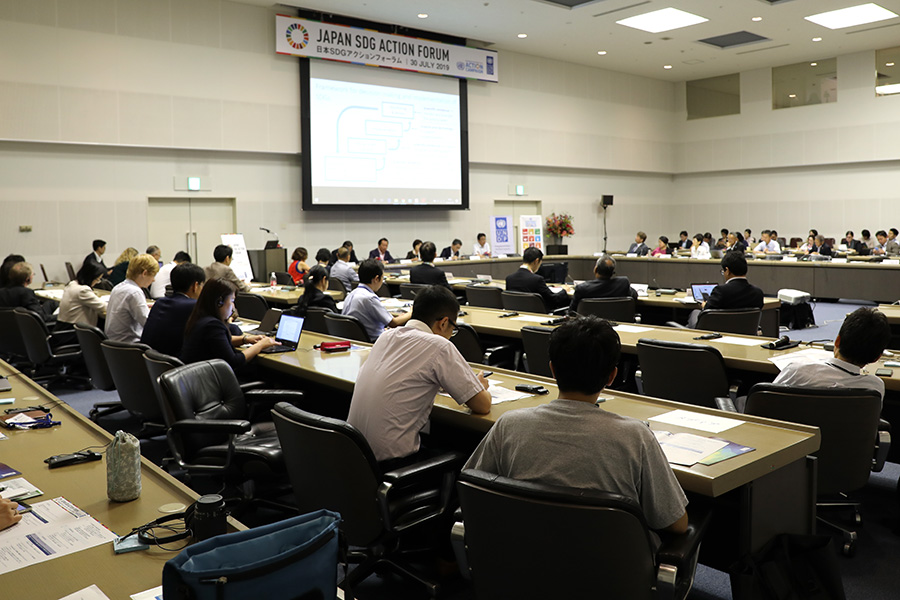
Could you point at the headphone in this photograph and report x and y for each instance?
(220, 301)
(145, 535)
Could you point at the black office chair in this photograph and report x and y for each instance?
(158, 363)
(12, 347)
(250, 306)
(527, 540)
(408, 291)
(136, 394)
(614, 309)
(689, 373)
(485, 296)
(536, 341)
(743, 321)
(315, 320)
(469, 345)
(70, 271)
(852, 444)
(376, 508)
(90, 338)
(282, 278)
(554, 272)
(55, 362)
(524, 302)
(345, 326)
(338, 286)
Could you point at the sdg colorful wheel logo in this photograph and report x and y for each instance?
(297, 36)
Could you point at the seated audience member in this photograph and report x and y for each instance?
(892, 247)
(414, 253)
(8, 262)
(854, 245)
(684, 242)
(451, 252)
(526, 279)
(864, 335)
(736, 292)
(381, 252)
(395, 388)
(427, 273)
(156, 253)
(722, 242)
(342, 271)
(16, 293)
(221, 268)
(867, 239)
(118, 272)
(314, 292)
(639, 247)
(158, 288)
(699, 249)
(572, 442)
(735, 242)
(662, 246)
(605, 284)
(821, 248)
(298, 267)
(164, 329)
(707, 237)
(97, 255)
(768, 244)
(207, 336)
(352, 254)
(364, 303)
(748, 237)
(127, 310)
(481, 246)
(809, 245)
(323, 256)
(79, 303)
(881, 240)
(9, 513)
(813, 232)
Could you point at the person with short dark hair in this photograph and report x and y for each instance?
(414, 253)
(314, 295)
(8, 262)
(867, 239)
(736, 292)
(854, 245)
(526, 279)
(864, 335)
(451, 252)
(748, 237)
(16, 293)
(364, 303)
(685, 241)
(407, 366)
(881, 240)
(341, 269)
(481, 246)
(605, 284)
(221, 268)
(298, 267)
(427, 273)
(80, 304)
(572, 442)
(158, 287)
(351, 256)
(699, 247)
(892, 247)
(769, 243)
(821, 247)
(96, 256)
(662, 246)
(639, 246)
(381, 252)
(164, 329)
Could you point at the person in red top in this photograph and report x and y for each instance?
(298, 267)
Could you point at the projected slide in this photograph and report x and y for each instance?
(379, 145)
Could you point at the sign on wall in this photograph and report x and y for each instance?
(313, 39)
(531, 232)
(240, 259)
(503, 240)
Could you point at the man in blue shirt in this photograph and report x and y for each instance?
(364, 303)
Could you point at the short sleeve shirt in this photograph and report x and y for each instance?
(343, 272)
(126, 313)
(832, 373)
(365, 305)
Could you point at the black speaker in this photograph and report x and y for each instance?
(606, 201)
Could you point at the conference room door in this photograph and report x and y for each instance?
(194, 225)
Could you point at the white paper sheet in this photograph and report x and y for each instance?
(727, 339)
(687, 300)
(812, 355)
(53, 294)
(695, 420)
(632, 329)
(531, 319)
(686, 448)
(154, 594)
(88, 593)
(501, 394)
(556, 289)
(19, 488)
(455, 281)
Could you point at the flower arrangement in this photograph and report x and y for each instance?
(560, 225)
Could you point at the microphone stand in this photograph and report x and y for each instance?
(604, 226)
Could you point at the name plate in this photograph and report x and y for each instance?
(789, 259)
(663, 256)
(839, 261)
(631, 254)
(891, 261)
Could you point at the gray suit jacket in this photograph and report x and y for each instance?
(221, 270)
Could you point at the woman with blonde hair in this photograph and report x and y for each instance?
(119, 271)
(127, 310)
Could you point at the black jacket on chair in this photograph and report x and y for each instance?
(736, 293)
(523, 280)
(616, 287)
(428, 274)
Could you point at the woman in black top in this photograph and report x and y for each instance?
(206, 335)
(314, 293)
(414, 253)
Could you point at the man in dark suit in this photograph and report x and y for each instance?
(17, 293)
(426, 273)
(349, 245)
(736, 292)
(526, 279)
(97, 255)
(639, 246)
(164, 329)
(451, 252)
(381, 252)
(855, 245)
(605, 284)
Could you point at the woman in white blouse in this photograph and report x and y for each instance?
(700, 249)
(79, 303)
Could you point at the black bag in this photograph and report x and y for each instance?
(797, 316)
(789, 567)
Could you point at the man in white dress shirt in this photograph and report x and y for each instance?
(481, 247)
(164, 277)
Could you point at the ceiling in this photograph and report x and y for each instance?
(576, 35)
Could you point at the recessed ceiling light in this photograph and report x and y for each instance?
(813, 64)
(757, 19)
(667, 66)
(603, 53)
(662, 20)
(523, 35)
(817, 39)
(423, 15)
(890, 64)
(851, 16)
(792, 95)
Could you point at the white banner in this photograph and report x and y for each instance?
(503, 240)
(312, 39)
(531, 231)
(240, 260)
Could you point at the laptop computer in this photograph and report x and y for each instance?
(640, 288)
(701, 291)
(288, 336)
(268, 323)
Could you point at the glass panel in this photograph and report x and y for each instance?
(813, 82)
(714, 97)
(887, 71)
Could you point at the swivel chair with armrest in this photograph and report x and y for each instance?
(282, 278)
(51, 363)
(90, 338)
(672, 370)
(346, 326)
(526, 302)
(469, 345)
(742, 321)
(250, 306)
(536, 342)
(614, 309)
(136, 394)
(408, 291)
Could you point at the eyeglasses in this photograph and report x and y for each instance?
(455, 327)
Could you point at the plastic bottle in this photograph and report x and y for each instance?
(273, 281)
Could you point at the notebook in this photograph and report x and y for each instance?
(269, 320)
(288, 336)
(701, 291)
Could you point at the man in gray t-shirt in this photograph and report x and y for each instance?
(573, 442)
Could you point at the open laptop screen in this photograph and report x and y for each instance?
(702, 291)
(289, 329)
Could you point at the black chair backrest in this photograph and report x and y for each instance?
(70, 271)
(614, 309)
(734, 320)
(104, 284)
(251, 306)
(467, 342)
(11, 343)
(282, 278)
(338, 286)
(170, 291)
(536, 341)
(600, 541)
(34, 334)
(347, 327)
(315, 320)
(343, 477)
(689, 373)
(847, 418)
(408, 291)
(486, 296)
(129, 371)
(90, 338)
(523, 301)
(157, 364)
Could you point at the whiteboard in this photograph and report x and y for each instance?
(240, 260)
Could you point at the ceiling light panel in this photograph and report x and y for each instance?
(666, 19)
(852, 16)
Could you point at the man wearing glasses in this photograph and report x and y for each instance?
(736, 292)
(395, 389)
